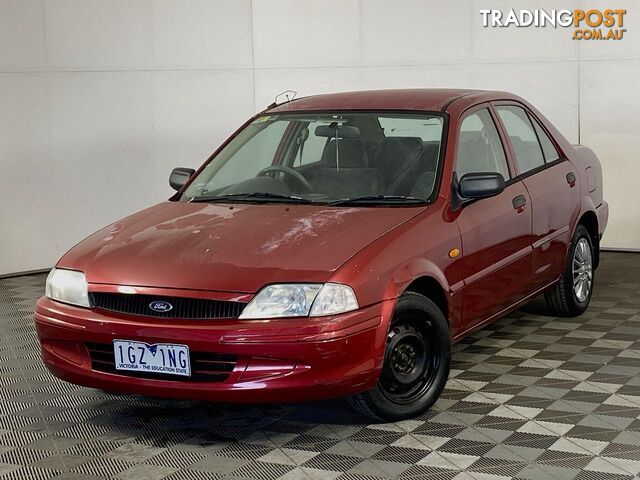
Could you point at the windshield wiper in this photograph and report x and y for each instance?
(260, 197)
(380, 199)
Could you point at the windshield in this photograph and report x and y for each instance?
(335, 158)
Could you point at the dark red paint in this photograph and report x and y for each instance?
(213, 251)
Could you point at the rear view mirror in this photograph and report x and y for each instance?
(337, 130)
(180, 176)
(480, 185)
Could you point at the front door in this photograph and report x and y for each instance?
(495, 231)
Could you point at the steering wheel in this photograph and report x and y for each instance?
(289, 171)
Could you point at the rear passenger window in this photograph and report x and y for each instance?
(523, 137)
(548, 149)
(480, 148)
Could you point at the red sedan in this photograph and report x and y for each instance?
(335, 245)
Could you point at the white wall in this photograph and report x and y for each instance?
(99, 99)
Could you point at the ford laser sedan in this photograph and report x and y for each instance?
(335, 245)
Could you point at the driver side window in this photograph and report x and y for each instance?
(253, 156)
(479, 147)
(309, 146)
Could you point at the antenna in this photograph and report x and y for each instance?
(288, 96)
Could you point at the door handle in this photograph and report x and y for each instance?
(571, 179)
(519, 202)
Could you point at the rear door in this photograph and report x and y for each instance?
(550, 180)
(495, 231)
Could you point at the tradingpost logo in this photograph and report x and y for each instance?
(591, 24)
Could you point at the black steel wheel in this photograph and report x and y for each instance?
(416, 362)
(410, 362)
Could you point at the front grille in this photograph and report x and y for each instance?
(187, 308)
(205, 367)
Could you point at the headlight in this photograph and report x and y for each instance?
(333, 298)
(67, 286)
(301, 300)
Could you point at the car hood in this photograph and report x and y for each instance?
(224, 247)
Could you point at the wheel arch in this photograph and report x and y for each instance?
(430, 288)
(589, 220)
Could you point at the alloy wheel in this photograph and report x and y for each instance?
(582, 268)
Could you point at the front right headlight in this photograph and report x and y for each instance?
(67, 286)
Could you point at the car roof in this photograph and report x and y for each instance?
(421, 99)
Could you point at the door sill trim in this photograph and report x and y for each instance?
(502, 312)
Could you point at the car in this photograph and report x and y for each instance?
(334, 246)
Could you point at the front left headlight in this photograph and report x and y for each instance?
(300, 300)
(67, 286)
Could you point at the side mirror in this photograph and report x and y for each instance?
(180, 176)
(480, 185)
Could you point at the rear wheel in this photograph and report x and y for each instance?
(570, 297)
(416, 362)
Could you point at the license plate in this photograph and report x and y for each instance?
(142, 357)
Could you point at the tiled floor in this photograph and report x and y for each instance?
(531, 397)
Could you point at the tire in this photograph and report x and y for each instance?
(416, 362)
(563, 300)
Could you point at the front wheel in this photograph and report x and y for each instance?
(570, 297)
(416, 362)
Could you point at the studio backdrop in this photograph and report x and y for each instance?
(99, 99)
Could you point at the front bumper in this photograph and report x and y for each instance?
(277, 360)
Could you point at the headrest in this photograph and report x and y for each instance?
(403, 147)
(473, 156)
(351, 153)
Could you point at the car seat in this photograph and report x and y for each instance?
(345, 173)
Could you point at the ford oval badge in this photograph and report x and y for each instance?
(160, 306)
